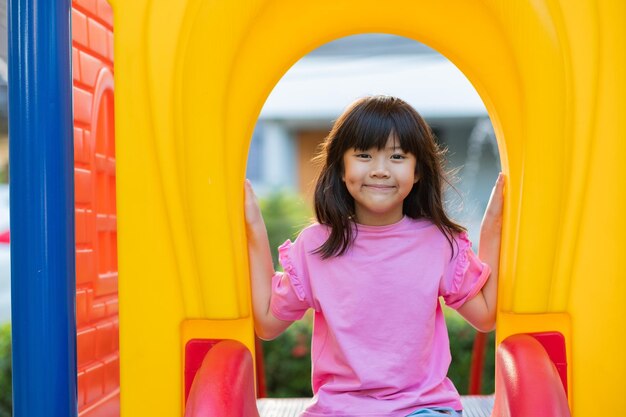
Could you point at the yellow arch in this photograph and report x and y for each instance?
(191, 78)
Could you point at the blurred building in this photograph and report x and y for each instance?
(313, 93)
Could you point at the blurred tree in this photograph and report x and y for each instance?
(285, 214)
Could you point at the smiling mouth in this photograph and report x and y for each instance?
(379, 187)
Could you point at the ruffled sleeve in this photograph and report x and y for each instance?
(465, 275)
(291, 295)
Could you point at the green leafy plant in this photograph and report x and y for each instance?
(461, 336)
(287, 358)
(285, 214)
(288, 362)
(5, 371)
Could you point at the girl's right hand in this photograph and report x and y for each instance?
(252, 210)
(261, 269)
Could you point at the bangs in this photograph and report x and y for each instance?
(372, 132)
(372, 125)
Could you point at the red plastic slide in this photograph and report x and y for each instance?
(527, 382)
(224, 385)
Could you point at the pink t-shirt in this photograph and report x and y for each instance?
(380, 344)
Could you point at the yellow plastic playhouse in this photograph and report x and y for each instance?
(191, 78)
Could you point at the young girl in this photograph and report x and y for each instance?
(374, 267)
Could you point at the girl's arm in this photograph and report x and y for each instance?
(480, 311)
(267, 326)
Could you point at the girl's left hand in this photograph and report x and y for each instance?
(481, 310)
(492, 220)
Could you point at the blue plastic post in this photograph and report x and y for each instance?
(42, 209)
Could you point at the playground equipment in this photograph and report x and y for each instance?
(191, 78)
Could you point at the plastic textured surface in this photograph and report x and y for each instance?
(527, 382)
(96, 227)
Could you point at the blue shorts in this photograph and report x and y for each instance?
(436, 412)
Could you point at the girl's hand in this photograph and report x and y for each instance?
(492, 220)
(251, 207)
(267, 326)
(481, 310)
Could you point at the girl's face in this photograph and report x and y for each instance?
(379, 181)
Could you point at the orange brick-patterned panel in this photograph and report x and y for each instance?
(96, 224)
